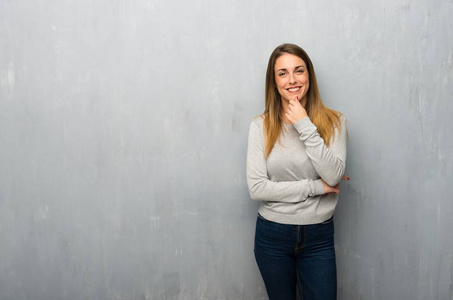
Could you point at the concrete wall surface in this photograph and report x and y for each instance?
(123, 134)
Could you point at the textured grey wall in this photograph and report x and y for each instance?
(123, 128)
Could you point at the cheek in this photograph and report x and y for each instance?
(279, 83)
(280, 90)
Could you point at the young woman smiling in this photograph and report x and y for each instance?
(295, 160)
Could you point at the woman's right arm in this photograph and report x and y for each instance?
(263, 189)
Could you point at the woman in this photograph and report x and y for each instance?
(296, 157)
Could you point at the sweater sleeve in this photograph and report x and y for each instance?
(330, 161)
(261, 187)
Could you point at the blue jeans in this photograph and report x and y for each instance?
(296, 255)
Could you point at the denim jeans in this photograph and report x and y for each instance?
(291, 256)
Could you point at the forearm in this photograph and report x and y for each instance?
(286, 191)
(329, 162)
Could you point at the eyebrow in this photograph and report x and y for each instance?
(301, 66)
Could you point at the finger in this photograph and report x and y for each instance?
(294, 102)
(345, 178)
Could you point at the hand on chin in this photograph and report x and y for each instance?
(295, 111)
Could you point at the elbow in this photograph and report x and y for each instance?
(254, 195)
(332, 181)
(256, 192)
(335, 178)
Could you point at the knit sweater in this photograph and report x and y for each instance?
(288, 182)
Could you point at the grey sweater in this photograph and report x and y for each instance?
(288, 182)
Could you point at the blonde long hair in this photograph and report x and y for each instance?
(323, 117)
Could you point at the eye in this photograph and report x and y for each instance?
(281, 74)
(300, 71)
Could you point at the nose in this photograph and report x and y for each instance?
(292, 78)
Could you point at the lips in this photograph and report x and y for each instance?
(294, 89)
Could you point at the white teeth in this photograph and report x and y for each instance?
(294, 89)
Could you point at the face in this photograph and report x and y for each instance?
(291, 77)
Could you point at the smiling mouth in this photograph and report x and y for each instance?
(294, 89)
